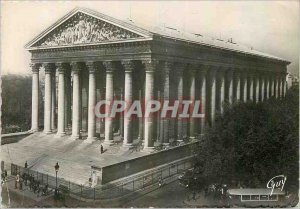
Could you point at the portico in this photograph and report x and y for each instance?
(93, 56)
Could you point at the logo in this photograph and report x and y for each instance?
(276, 182)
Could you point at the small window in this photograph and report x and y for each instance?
(245, 197)
(263, 197)
(273, 197)
(254, 197)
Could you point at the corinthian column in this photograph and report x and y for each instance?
(192, 98)
(266, 90)
(250, 87)
(271, 86)
(229, 86)
(244, 87)
(255, 88)
(92, 102)
(283, 84)
(202, 85)
(220, 92)
(76, 101)
(61, 100)
(35, 98)
(236, 85)
(279, 86)
(276, 86)
(150, 66)
(109, 93)
(261, 88)
(128, 138)
(212, 95)
(166, 95)
(179, 72)
(47, 102)
(53, 100)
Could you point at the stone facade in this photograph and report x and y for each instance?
(107, 58)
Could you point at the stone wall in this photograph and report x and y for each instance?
(127, 168)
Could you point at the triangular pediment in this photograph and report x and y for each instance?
(82, 28)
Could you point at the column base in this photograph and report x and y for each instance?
(33, 130)
(90, 140)
(126, 147)
(75, 137)
(148, 149)
(59, 135)
(47, 132)
(108, 143)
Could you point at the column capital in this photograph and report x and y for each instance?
(75, 66)
(35, 67)
(49, 67)
(91, 66)
(108, 65)
(180, 66)
(203, 68)
(150, 64)
(61, 67)
(128, 65)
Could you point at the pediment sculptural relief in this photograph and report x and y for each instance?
(81, 29)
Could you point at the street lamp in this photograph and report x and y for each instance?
(56, 167)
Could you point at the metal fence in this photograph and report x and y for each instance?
(109, 191)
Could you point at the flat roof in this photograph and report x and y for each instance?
(255, 191)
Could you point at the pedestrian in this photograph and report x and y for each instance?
(17, 181)
(21, 184)
(5, 174)
(101, 149)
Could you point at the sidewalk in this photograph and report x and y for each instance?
(25, 195)
(201, 201)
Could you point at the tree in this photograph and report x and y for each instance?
(251, 143)
(16, 103)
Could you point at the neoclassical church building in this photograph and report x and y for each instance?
(88, 56)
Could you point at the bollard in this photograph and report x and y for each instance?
(94, 193)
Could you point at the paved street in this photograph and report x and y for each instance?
(171, 195)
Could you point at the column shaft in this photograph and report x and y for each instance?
(244, 87)
(212, 96)
(92, 102)
(53, 101)
(192, 98)
(250, 87)
(166, 95)
(47, 102)
(109, 94)
(179, 97)
(203, 100)
(149, 91)
(35, 98)
(76, 101)
(61, 101)
(128, 138)
(229, 87)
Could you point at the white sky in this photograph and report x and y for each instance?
(268, 26)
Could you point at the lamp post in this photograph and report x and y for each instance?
(56, 167)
